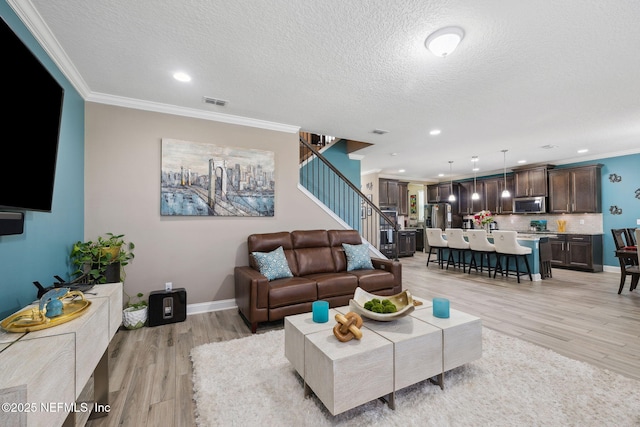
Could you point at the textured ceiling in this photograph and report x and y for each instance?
(527, 74)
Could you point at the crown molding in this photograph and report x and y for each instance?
(40, 31)
(120, 101)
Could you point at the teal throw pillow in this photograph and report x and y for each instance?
(273, 265)
(357, 257)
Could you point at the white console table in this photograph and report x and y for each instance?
(43, 372)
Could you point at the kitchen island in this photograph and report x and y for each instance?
(529, 240)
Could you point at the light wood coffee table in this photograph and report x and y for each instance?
(389, 357)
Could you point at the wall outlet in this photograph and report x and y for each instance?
(581, 221)
(168, 286)
(637, 221)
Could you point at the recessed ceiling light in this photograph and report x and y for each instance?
(474, 159)
(475, 169)
(440, 174)
(583, 150)
(522, 161)
(394, 154)
(435, 132)
(401, 170)
(182, 77)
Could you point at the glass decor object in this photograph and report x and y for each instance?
(441, 308)
(320, 311)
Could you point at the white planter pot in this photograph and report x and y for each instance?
(134, 318)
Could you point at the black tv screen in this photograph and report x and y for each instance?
(31, 114)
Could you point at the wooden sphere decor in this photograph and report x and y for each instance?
(348, 327)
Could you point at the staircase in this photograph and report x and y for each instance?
(331, 188)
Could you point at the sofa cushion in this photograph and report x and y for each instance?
(273, 265)
(293, 290)
(373, 280)
(336, 239)
(334, 284)
(357, 257)
(268, 242)
(313, 253)
(314, 260)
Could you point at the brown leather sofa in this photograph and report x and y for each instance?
(319, 267)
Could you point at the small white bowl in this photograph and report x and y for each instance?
(403, 302)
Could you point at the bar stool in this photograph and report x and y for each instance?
(437, 242)
(456, 243)
(506, 243)
(545, 258)
(479, 244)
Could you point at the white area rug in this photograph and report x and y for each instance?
(249, 382)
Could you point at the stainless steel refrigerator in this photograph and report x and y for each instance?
(438, 215)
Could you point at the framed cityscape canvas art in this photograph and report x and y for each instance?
(212, 180)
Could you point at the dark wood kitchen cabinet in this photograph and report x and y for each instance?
(493, 200)
(467, 205)
(531, 182)
(577, 252)
(575, 190)
(439, 193)
(403, 198)
(406, 243)
(387, 193)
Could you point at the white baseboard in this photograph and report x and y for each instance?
(206, 307)
(611, 268)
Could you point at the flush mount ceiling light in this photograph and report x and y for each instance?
(475, 195)
(505, 192)
(452, 198)
(182, 77)
(444, 41)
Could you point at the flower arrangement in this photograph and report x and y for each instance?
(483, 218)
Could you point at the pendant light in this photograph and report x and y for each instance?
(452, 197)
(505, 192)
(475, 195)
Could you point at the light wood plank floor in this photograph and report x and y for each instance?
(579, 315)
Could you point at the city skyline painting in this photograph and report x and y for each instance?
(202, 179)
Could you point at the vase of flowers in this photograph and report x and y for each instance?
(483, 219)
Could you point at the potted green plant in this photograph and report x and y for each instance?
(134, 315)
(104, 259)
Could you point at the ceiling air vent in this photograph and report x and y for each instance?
(549, 147)
(380, 131)
(214, 101)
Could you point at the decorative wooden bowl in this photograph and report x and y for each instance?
(403, 302)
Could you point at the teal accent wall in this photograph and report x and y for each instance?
(43, 249)
(329, 190)
(621, 194)
(338, 156)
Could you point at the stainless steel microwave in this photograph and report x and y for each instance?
(530, 205)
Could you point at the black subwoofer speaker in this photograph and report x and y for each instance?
(167, 307)
(11, 223)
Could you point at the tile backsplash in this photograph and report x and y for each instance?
(576, 223)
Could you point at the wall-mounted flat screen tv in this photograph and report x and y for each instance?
(31, 114)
